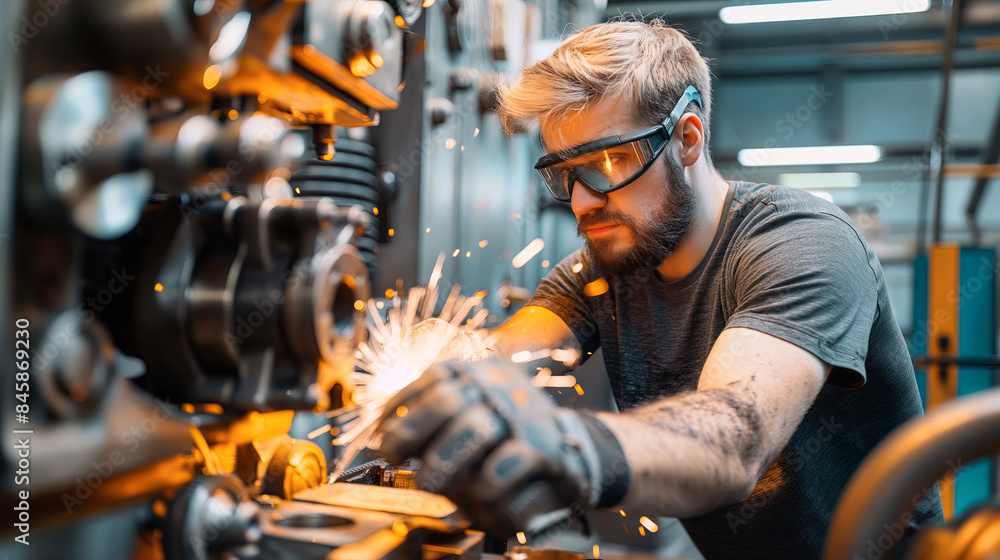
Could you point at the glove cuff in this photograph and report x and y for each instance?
(614, 471)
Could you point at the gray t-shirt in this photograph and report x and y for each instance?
(791, 265)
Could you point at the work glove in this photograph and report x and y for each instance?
(501, 450)
(434, 340)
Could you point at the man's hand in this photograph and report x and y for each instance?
(434, 340)
(500, 449)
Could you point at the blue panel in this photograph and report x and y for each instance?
(976, 337)
(918, 335)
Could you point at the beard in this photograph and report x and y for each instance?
(655, 237)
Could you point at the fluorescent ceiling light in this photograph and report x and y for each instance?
(820, 180)
(812, 155)
(820, 9)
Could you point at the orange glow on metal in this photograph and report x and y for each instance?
(520, 538)
(401, 411)
(579, 389)
(400, 22)
(621, 511)
(390, 292)
(482, 293)
(428, 4)
(158, 287)
(359, 305)
(326, 157)
(211, 77)
(226, 195)
(483, 243)
(545, 263)
(392, 232)
(233, 113)
(428, 230)
(377, 60)
(597, 551)
(942, 312)
(375, 210)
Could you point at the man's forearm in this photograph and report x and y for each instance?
(691, 453)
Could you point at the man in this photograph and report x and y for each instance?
(746, 328)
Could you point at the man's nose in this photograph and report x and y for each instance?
(585, 201)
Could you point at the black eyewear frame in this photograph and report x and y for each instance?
(663, 131)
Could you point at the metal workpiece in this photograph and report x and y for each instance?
(877, 505)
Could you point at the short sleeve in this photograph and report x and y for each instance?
(561, 291)
(806, 278)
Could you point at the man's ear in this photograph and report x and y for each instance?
(691, 133)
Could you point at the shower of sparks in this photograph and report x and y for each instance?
(318, 432)
(387, 363)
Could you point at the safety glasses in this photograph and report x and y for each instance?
(610, 163)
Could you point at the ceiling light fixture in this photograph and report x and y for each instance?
(820, 9)
(809, 155)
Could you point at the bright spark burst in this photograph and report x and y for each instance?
(387, 363)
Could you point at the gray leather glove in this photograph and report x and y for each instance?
(500, 449)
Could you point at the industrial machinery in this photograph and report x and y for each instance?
(192, 209)
(193, 214)
(174, 302)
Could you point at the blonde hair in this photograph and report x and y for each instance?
(648, 63)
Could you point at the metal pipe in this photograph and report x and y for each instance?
(899, 470)
(942, 127)
(990, 155)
